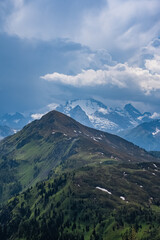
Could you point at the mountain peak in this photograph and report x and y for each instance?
(55, 121)
(132, 110)
(65, 126)
(55, 138)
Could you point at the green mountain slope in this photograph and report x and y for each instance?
(30, 155)
(107, 201)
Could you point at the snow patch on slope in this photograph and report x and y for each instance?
(103, 110)
(103, 190)
(156, 132)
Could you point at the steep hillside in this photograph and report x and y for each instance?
(104, 201)
(30, 155)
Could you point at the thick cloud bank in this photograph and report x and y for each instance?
(121, 75)
(116, 25)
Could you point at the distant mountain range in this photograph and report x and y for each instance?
(145, 135)
(127, 122)
(11, 123)
(95, 114)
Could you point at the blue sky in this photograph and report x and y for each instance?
(55, 50)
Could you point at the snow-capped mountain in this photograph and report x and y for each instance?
(92, 113)
(95, 114)
(145, 135)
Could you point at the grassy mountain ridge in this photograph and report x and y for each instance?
(28, 156)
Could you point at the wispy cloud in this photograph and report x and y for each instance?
(155, 115)
(116, 25)
(37, 115)
(122, 24)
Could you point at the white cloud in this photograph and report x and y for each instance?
(120, 75)
(153, 64)
(155, 115)
(52, 106)
(85, 78)
(37, 115)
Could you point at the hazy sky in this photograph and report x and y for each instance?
(55, 50)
